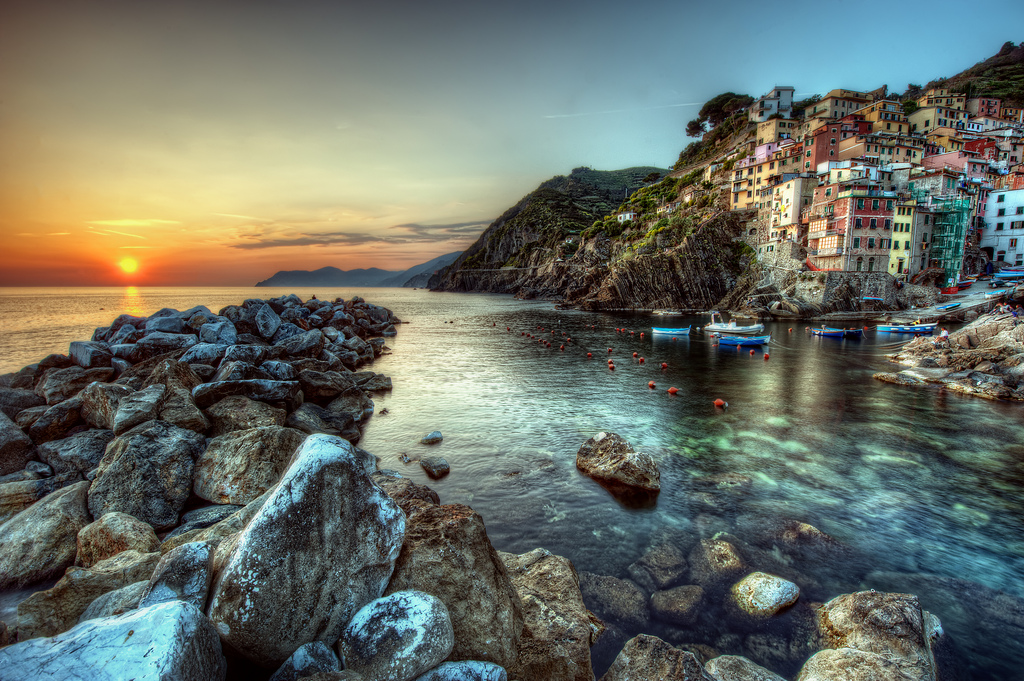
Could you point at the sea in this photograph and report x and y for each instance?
(921, 490)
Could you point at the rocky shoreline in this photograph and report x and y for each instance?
(984, 359)
(184, 496)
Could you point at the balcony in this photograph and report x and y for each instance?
(821, 252)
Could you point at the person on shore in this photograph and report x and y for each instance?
(943, 340)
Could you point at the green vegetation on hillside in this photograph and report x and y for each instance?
(999, 76)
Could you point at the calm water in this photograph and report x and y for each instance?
(920, 486)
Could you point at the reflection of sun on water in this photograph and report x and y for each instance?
(132, 302)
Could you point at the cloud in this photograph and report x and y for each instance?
(614, 111)
(110, 232)
(132, 223)
(40, 236)
(243, 217)
(454, 229)
(137, 247)
(329, 239)
(415, 234)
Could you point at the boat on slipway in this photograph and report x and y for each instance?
(668, 331)
(732, 328)
(948, 306)
(926, 329)
(743, 340)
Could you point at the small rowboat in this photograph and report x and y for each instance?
(994, 295)
(1008, 274)
(948, 306)
(744, 340)
(718, 325)
(876, 299)
(906, 328)
(847, 333)
(829, 333)
(682, 331)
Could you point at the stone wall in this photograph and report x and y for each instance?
(825, 288)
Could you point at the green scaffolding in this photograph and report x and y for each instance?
(949, 231)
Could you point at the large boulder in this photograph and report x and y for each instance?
(469, 670)
(111, 534)
(147, 473)
(180, 409)
(57, 422)
(308, 660)
(100, 402)
(307, 344)
(648, 657)
(90, 354)
(736, 668)
(16, 448)
(321, 546)
(264, 390)
(41, 542)
(406, 493)
(558, 630)
(182, 574)
(266, 320)
(160, 342)
(46, 613)
(139, 407)
(679, 605)
(241, 413)
(850, 664)
(397, 637)
(661, 567)
(448, 555)
(14, 400)
(619, 600)
(241, 465)
(163, 642)
(609, 459)
(57, 385)
(312, 418)
(886, 625)
(115, 602)
(323, 386)
(17, 495)
(77, 454)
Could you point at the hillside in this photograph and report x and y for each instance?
(1001, 75)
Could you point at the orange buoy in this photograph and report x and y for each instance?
(673, 337)
(632, 333)
(612, 367)
(650, 384)
(552, 333)
(641, 334)
(664, 365)
(751, 352)
(791, 329)
(561, 347)
(589, 355)
(766, 355)
(673, 390)
(609, 349)
(634, 354)
(641, 360)
(721, 403)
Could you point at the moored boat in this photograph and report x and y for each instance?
(680, 331)
(717, 325)
(994, 295)
(948, 306)
(847, 333)
(829, 333)
(743, 340)
(906, 328)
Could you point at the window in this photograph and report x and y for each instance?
(924, 237)
(1013, 244)
(906, 245)
(871, 242)
(1000, 198)
(1002, 212)
(888, 205)
(873, 224)
(856, 242)
(888, 223)
(999, 226)
(874, 204)
(871, 264)
(1020, 210)
(860, 264)
(926, 218)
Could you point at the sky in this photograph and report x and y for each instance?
(215, 143)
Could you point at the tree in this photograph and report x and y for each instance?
(695, 128)
(652, 177)
(909, 106)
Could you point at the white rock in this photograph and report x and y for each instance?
(762, 595)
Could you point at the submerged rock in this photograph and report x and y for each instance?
(166, 641)
(320, 547)
(435, 466)
(680, 605)
(736, 668)
(432, 438)
(648, 657)
(761, 595)
(608, 458)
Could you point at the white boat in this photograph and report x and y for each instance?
(731, 328)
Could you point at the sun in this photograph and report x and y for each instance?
(129, 265)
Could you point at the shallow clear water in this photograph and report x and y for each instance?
(915, 483)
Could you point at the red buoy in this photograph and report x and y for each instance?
(634, 354)
(751, 352)
(766, 355)
(650, 384)
(589, 355)
(673, 390)
(612, 367)
(632, 333)
(609, 349)
(673, 337)
(552, 333)
(664, 365)
(641, 334)
(791, 329)
(721, 403)
(561, 347)
(494, 323)
(508, 328)
(641, 360)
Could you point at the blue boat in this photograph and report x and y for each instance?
(829, 333)
(948, 306)
(1008, 274)
(926, 329)
(847, 333)
(681, 331)
(744, 340)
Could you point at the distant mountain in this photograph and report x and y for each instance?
(332, 277)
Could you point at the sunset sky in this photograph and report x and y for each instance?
(215, 143)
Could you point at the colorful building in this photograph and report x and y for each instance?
(850, 227)
(983, 106)
(928, 118)
(886, 117)
(839, 103)
(778, 101)
(943, 97)
(1003, 239)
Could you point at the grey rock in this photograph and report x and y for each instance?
(116, 602)
(147, 473)
(432, 438)
(16, 448)
(90, 354)
(265, 391)
(57, 385)
(465, 670)
(127, 334)
(203, 353)
(648, 657)
(100, 402)
(661, 567)
(251, 354)
(241, 465)
(736, 668)
(285, 331)
(761, 595)
(165, 641)
(183, 573)
(14, 400)
(158, 343)
(608, 458)
(57, 422)
(201, 518)
(323, 386)
(17, 495)
(111, 534)
(219, 333)
(240, 413)
(80, 453)
(164, 325)
(266, 320)
(397, 637)
(139, 407)
(679, 605)
(307, 344)
(435, 466)
(41, 541)
(325, 531)
(310, 418)
(26, 417)
(180, 409)
(281, 371)
(618, 600)
(308, 660)
(353, 401)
